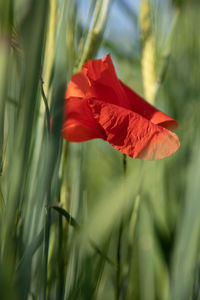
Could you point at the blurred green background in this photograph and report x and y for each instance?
(73, 224)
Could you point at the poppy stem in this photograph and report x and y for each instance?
(118, 258)
(119, 242)
(124, 165)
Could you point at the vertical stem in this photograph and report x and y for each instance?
(119, 242)
(60, 260)
(124, 165)
(118, 258)
(43, 290)
(196, 287)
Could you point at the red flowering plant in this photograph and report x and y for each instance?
(99, 105)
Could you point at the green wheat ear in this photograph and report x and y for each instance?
(94, 37)
(148, 53)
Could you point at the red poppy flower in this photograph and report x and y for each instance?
(99, 105)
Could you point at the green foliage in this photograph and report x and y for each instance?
(61, 204)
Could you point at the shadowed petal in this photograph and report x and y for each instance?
(77, 86)
(80, 125)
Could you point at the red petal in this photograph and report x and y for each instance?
(104, 83)
(142, 107)
(79, 124)
(132, 134)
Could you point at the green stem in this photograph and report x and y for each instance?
(60, 260)
(196, 287)
(43, 292)
(124, 165)
(119, 242)
(118, 258)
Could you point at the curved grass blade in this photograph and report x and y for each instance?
(71, 221)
